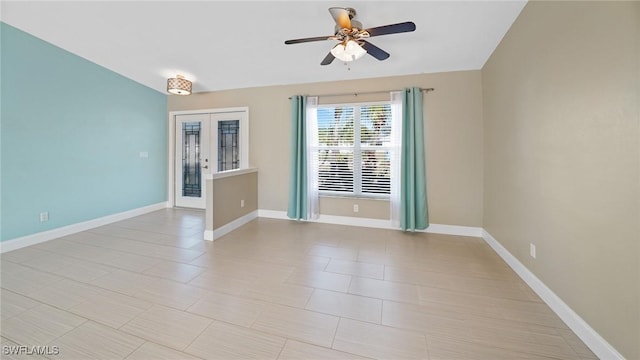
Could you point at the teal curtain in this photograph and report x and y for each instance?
(413, 184)
(298, 195)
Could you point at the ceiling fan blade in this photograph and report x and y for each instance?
(328, 59)
(375, 51)
(341, 16)
(391, 29)
(309, 39)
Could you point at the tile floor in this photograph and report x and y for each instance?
(150, 288)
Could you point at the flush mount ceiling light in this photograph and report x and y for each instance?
(348, 51)
(179, 85)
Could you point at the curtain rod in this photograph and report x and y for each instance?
(367, 93)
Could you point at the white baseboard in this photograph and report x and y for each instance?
(454, 230)
(273, 214)
(41, 237)
(212, 235)
(377, 223)
(353, 221)
(600, 347)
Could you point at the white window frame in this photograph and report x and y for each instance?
(357, 153)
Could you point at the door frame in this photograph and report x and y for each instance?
(171, 142)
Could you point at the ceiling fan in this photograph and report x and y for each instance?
(353, 44)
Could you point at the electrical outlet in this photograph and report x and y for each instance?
(144, 154)
(532, 250)
(44, 216)
(356, 208)
(241, 203)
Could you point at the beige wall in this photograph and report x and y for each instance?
(562, 157)
(367, 208)
(224, 198)
(453, 130)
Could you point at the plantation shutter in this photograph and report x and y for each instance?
(375, 150)
(354, 149)
(336, 148)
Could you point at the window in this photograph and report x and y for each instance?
(354, 149)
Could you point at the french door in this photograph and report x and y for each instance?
(207, 143)
(192, 159)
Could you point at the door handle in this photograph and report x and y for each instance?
(205, 167)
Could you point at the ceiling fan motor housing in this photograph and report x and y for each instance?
(355, 24)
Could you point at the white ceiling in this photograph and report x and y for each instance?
(236, 44)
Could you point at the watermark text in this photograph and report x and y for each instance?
(30, 350)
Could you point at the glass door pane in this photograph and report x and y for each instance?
(230, 140)
(191, 174)
(228, 150)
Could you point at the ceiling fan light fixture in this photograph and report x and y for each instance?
(179, 85)
(348, 51)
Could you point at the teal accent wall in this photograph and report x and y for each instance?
(71, 136)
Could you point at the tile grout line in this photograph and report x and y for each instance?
(136, 349)
(335, 333)
(286, 340)
(197, 336)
